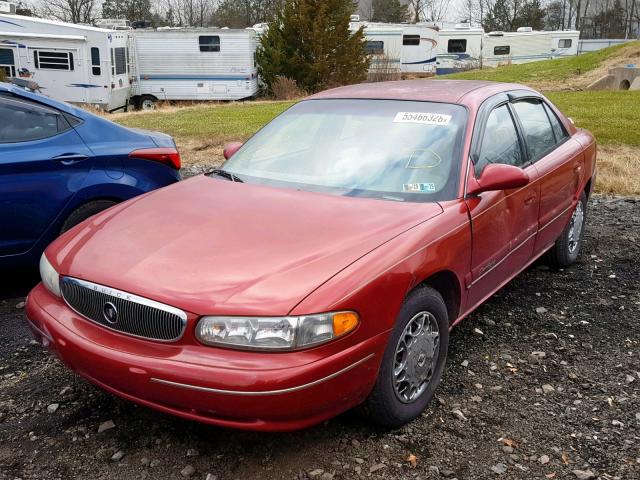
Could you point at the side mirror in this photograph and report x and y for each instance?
(230, 149)
(497, 176)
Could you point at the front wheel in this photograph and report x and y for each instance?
(567, 247)
(413, 361)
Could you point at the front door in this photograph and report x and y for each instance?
(504, 223)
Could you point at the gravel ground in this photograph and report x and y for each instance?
(543, 381)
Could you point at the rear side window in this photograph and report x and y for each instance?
(374, 47)
(209, 43)
(536, 127)
(95, 60)
(457, 45)
(557, 127)
(28, 121)
(503, 50)
(500, 143)
(411, 40)
(564, 43)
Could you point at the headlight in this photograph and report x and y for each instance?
(49, 276)
(275, 333)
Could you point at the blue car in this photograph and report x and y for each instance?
(60, 164)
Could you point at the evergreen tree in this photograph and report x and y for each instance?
(389, 11)
(310, 42)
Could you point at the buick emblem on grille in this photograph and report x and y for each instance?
(110, 313)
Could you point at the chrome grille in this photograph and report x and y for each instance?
(122, 311)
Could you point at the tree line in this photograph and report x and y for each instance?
(594, 18)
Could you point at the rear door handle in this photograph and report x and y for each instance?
(70, 158)
(530, 200)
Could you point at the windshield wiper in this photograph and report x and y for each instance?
(228, 175)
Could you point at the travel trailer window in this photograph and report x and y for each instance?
(503, 50)
(411, 40)
(564, 43)
(53, 60)
(209, 43)
(120, 54)
(535, 124)
(374, 47)
(457, 45)
(500, 142)
(95, 60)
(7, 62)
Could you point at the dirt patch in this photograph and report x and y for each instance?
(574, 407)
(618, 167)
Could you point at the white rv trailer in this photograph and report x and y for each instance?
(400, 47)
(73, 63)
(526, 45)
(459, 48)
(192, 64)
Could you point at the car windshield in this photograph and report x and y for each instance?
(389, 149)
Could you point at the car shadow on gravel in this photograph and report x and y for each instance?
(542, 380)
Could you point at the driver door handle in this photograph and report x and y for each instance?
(70, 158)
(530, 199)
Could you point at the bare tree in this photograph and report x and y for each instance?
(74, 11)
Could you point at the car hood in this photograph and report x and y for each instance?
(211, 246)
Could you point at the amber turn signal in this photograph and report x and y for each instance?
(344, 322)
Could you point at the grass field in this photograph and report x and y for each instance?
(614, 117)
(551, 74)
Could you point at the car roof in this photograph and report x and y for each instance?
(447, 91)
(40, 98)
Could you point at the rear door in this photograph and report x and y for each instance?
(43, 162)
(504, 223)
(559, 162)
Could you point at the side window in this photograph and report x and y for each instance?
(411, 40)
(537, 130)
(457, 45)
(500, 143)
(503, 50)
(564, 43)
(120, 57)
(209, 43)
(558, 129)
(374, 47)
(28, 121)
(7, 62)
(45, 60)
(95, 60)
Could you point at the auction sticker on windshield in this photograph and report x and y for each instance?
(422, 117)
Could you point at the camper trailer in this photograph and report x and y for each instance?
(527, 45)
(399, 47)
(459, 48)
(192, 64)
(73, 63)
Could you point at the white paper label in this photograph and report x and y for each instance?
(422, 117)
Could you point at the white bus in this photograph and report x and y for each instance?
(73, 63)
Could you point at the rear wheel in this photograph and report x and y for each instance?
(413, 361)
(85, 211)
(567, 247)
(148, 102)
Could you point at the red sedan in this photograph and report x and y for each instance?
(324, 264)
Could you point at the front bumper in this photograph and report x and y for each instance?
(182, 380)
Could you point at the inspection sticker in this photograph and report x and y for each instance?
(422, 117)
(419, 187)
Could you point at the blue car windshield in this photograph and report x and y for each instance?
(389, 149)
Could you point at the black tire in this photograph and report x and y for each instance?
(384, 406)
(567, 247)
(147, 103)
(85, 211)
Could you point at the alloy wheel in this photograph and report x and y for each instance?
(575, 227)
